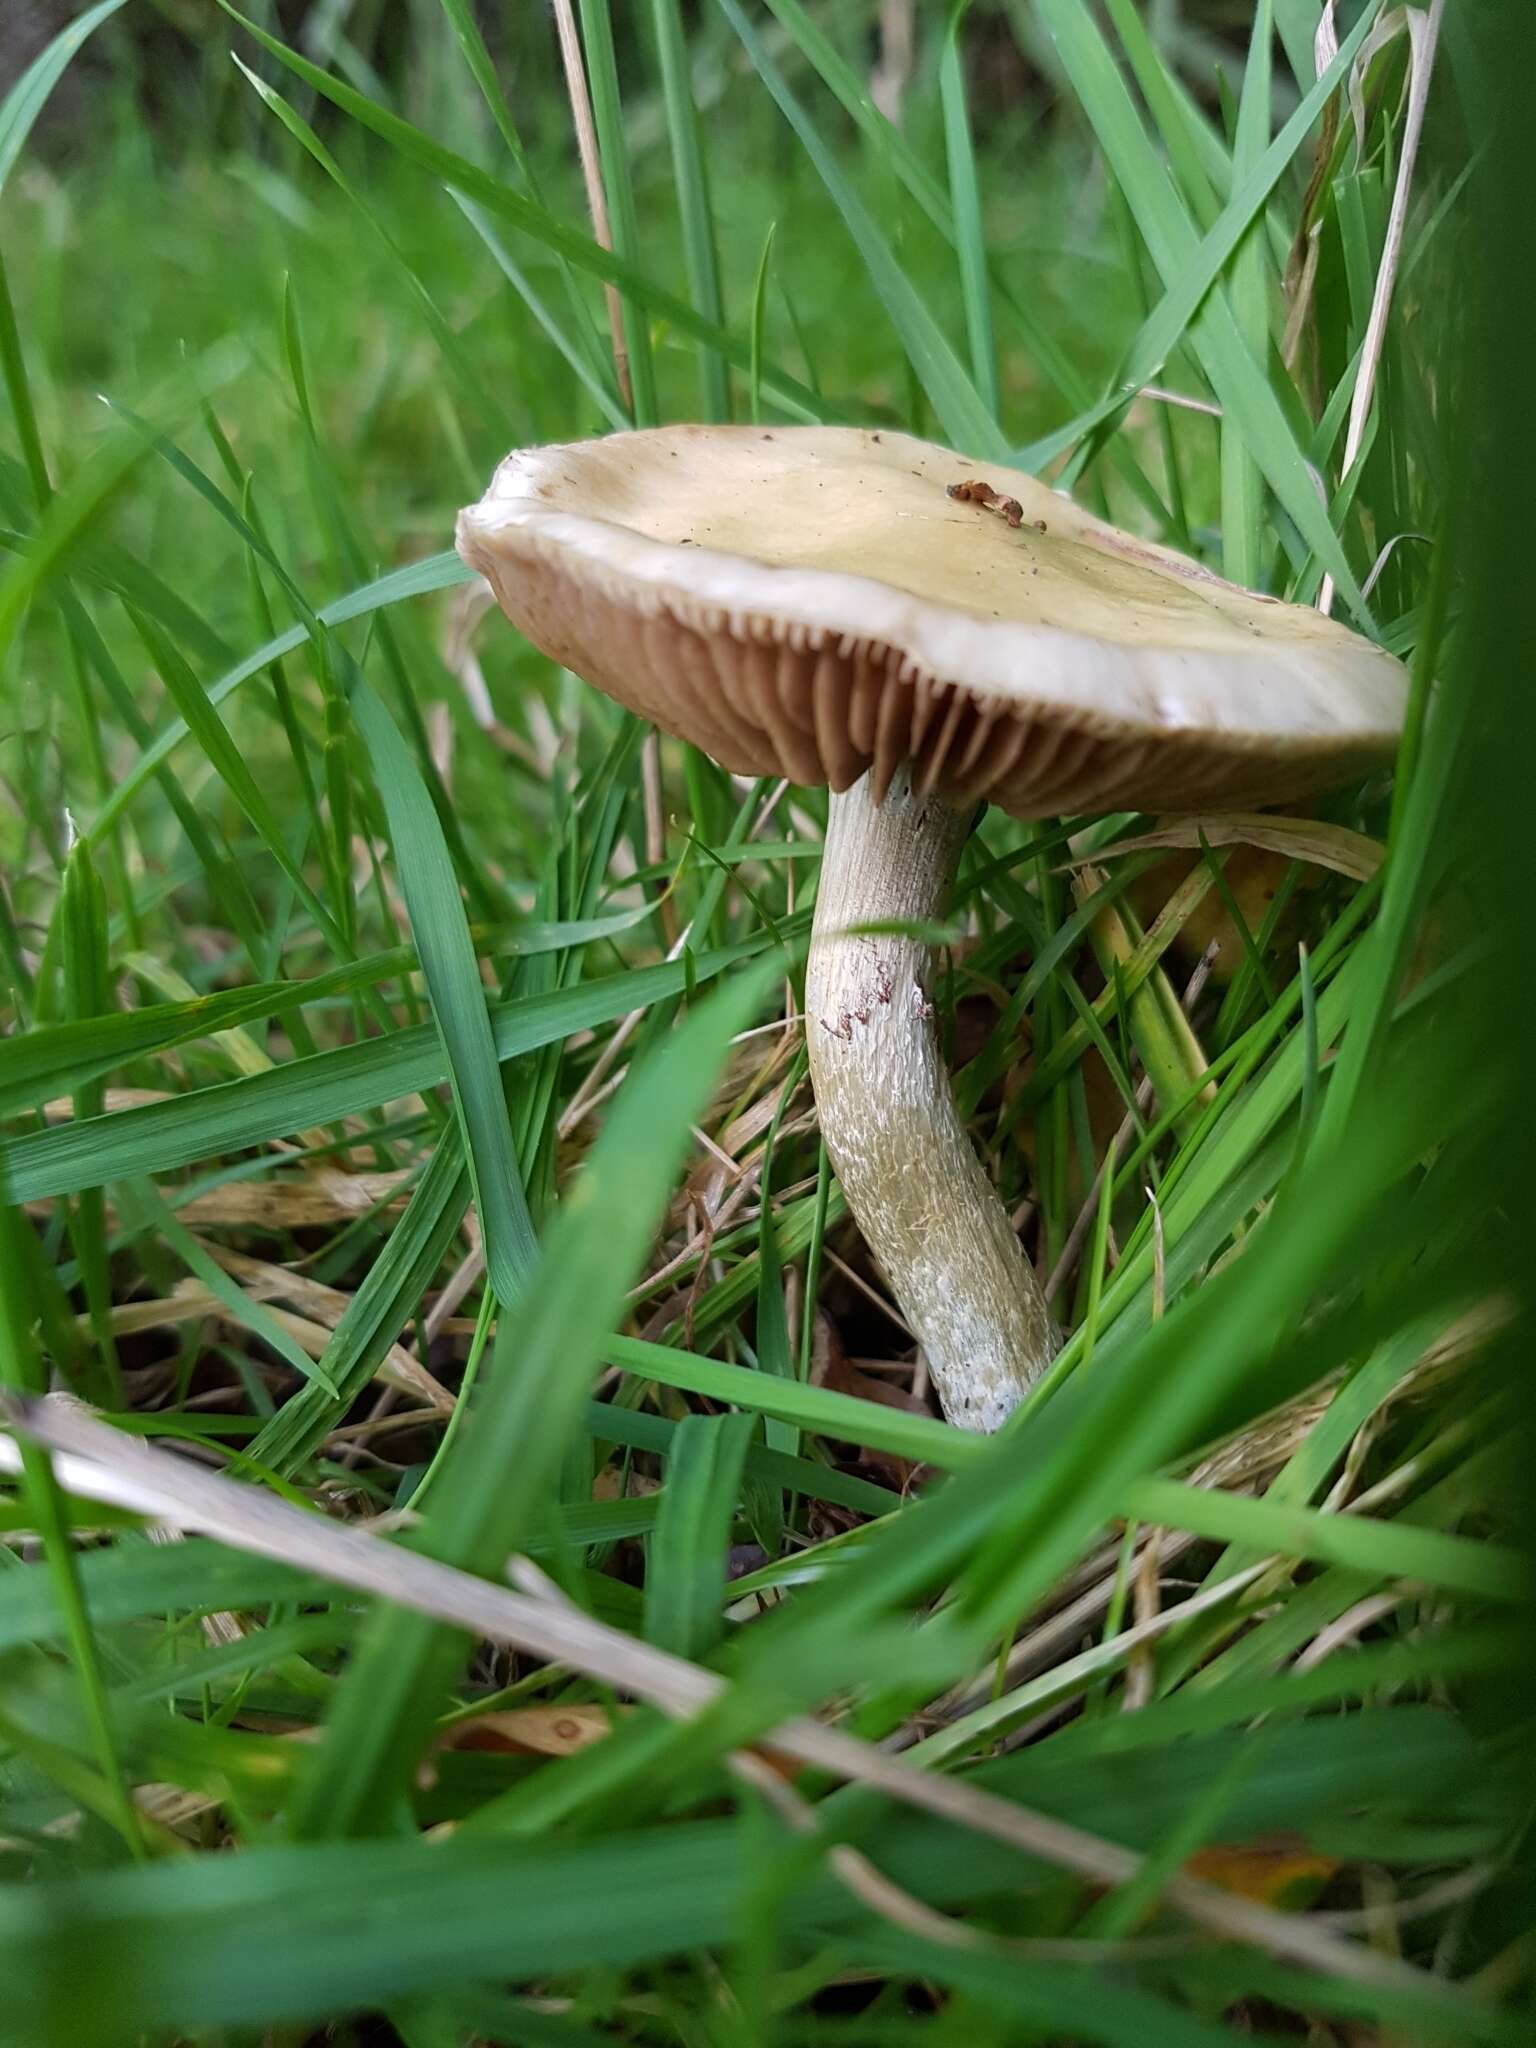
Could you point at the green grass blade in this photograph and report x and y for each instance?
(453, 352)
(483, 70)
(759, 322)
(890, 149)
(851, 90)
(29, 95)
(607, 1422)
(589, 361)
(220, 750)
(1160, 333)
(1194, 152)
(535, 220)
(818, 1409)
(373, 1320)
(345, 1081)
(1415, 852)
(13, 370)
(965, 202)
(961, 412)
(87, 980)
(132, 1580)
(39, 1064)
(686, 1559)
(21, 1369)
(452, 973)
(690, 176)
(89, 491)
(1238, 379)
(529, 1406)
(592, 380)
(1242, 485)
(1353, 1541)
(436, 572)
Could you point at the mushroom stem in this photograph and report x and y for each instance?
(928, 1212)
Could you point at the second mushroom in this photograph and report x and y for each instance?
(922, 634)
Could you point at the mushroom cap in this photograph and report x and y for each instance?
(816, 602)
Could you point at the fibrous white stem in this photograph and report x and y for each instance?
(932, 1219)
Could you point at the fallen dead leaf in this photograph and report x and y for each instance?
(531, 1731)
(1286, 1875)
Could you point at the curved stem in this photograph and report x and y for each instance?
(928, 1212)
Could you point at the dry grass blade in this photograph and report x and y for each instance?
(1039, 1643)
(1061, 1272)
(1038, 1650)
(100, 1462)
(1246, 1460)
(313, 1330)
(592, 177)
(1168, 1043)
(304, 1202)
(1310, 839)
(850, 1866)
(1423, 37)
(892, 74)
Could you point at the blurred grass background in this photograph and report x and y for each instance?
(282, 814)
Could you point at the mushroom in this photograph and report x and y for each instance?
(923, 633)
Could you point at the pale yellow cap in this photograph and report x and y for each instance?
(815, 602)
